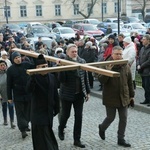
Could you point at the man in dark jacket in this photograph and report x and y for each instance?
(143, 67)
(118, 93)
(44, 106)
(74, 88)
(16, 91)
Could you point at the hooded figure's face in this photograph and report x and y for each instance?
(17, 60)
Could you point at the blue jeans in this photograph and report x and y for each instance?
(10, 108)
(146, 86)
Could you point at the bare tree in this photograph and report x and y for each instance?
(143, 4)
(87, 15)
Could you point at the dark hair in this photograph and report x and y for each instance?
(2, 61)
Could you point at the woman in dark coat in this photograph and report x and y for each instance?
(44, 106)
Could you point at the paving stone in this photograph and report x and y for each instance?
(137, 132)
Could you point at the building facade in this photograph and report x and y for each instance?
(54, 10)
(61, 10)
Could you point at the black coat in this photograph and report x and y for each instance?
(17, 80)
(144, 61)
(45, 100)
(68, 82)
(88, 55)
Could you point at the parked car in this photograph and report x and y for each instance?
(70, 23)
(91, 21)
(64, 32)
(33, 40)
(52, 25)
(114, 26)
(147, 25)
(126, 19)
(88, 29)
(13, 27)
(36, 31)
(113, 20)
(135, 27)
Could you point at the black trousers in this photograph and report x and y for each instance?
(23, 114)
(65, 114)
(43, 138)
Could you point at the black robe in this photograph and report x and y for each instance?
(44, 106)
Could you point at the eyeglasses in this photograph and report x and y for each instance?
(118, 54)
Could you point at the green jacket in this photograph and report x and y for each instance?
(117, 91)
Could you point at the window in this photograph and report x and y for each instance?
(89, 8)
(104, 6)
(38, 10)
(76, 9)
(8, 11)
(23, 11)
(57, 10)
(115, 7)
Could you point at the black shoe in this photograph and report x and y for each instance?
(28, 129)
(61, 134)
(123, 143)
(101, 133)
(5, 123)
(12, 125)
(24, 134)
(148, 105)
(145, 102)
(79, 144)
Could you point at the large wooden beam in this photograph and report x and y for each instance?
(48, 58)
(52, 69)
(100, 71)
(104, 63)
(66, 62)
(72, 65)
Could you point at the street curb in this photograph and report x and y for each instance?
(138, 107)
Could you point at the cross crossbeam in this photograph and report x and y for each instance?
(69, 65)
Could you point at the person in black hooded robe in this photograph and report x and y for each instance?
(44, 106)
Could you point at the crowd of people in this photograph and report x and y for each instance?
(40, 97)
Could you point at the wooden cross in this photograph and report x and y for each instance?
(69, 65)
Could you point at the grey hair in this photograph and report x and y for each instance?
(147, 36)
(71, 45)
(117, 48)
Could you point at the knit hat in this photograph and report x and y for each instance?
(111, 37)
(89, 43)
(40, 60)
(3, 53)
(127, 39)
(15, 54)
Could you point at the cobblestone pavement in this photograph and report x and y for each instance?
(137, 133)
